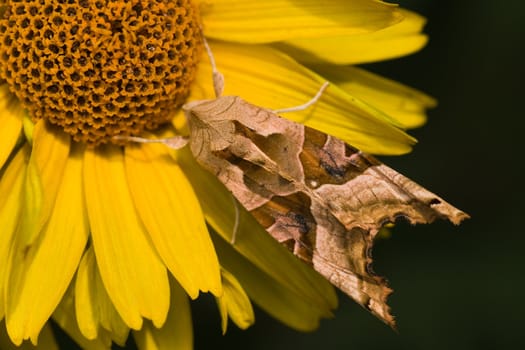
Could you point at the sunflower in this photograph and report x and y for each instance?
(106, 238)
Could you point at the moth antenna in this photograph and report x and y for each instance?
(237, 221)
(175, 142)
(305, 105)
(218, 78)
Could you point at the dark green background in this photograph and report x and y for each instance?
(455, 287)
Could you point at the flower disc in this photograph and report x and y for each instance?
(100, 68)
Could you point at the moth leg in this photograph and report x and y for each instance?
(305, 105)
(237, 221)
(175, 142)
(218, 78)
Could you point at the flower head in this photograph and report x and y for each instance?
(107, 238)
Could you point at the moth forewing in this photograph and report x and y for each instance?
(317, 195)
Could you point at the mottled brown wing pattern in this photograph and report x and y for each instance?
(318, 196)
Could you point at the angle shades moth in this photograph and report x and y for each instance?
(320, 197)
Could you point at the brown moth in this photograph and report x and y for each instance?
(317, 195)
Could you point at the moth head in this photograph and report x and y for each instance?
(207, 111)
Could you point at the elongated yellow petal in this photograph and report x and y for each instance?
(28, 127)
(11, 114)
(11, 190)
(398, 40)
(234, 303)
(65, 317)
(95, 311)
(252, 241)
(274, 297)
(41, 272)
(405, 104)
(270, 79)
(173, 218)
(177, 332)
(45, 341)
(223, 312)
(48, 159)
(133, 274)
(274, 20)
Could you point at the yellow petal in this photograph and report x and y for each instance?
(28, 127)
(11, 114)
(65, 317)
(11, 190)
(48, 159)
(274, 20)
(270, 79)
(252, 241)
(133, 274)
(170, 211)
(276, 298)
(177, 332)
(405, 104)
(45, 341)
(234, 303)
(41, 272)
(95, 311)
(223, 312)
(398, 40)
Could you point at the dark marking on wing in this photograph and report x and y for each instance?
(291, 219)
(323, 166)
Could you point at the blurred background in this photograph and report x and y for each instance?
(455, 287)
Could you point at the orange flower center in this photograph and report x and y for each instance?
(100, 68)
